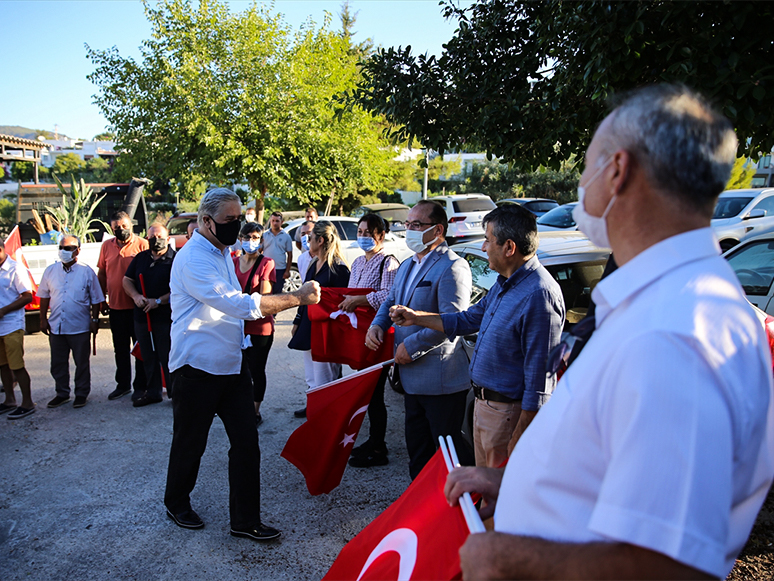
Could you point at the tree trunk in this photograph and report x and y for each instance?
(259, 199)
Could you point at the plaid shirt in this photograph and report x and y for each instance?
(366, 275)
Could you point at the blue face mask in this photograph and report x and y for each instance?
(251, 246)
(305, 242)
(366, 243)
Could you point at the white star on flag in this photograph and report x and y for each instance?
(348, 439)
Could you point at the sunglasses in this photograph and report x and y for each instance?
(69, 248)
(559, 356)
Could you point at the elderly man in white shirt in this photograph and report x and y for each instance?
(656, 450)
(209, 373)
(73, 292)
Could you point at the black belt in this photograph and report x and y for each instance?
(489, 395)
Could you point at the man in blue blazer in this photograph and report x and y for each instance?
(433, 369)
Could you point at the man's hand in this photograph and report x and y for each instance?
(3, 312)
(350, 303)
(485, 481)
(44, 326)
(401, 355)
(103, 308)
(479, 556)
(150, 304)
(374, 337)
(140, 301)
(309, 293)
(403, 316)
(293, 330)
(287, 274)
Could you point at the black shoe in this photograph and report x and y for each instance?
(367, 448)
(80, 401)
(4, 407)
(118, 392)
(186, 519)
(257, 533)
(145, 400)
(57, 401)
(20, 412)
(375, 457)
(258, 419)
(300, 413)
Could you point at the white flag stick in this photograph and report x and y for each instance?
(471, 516)
(466, 503)
(348, 377)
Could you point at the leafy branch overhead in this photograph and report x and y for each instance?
(528, 81)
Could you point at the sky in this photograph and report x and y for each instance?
(43, 82)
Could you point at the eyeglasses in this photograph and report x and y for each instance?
(416, 225)
(69, 248)
(559, 356)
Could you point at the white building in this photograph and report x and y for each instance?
(86, 150)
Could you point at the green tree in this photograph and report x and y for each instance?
(106, 136)
(68, 164)
(527, 81)
(97, 170)
(22, 171)
(231, 97)
(741, 174)
(7, 217)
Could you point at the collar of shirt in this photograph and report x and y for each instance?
(521, 273)
(650, 265)
(6, 264)
(200, 242)
(418, 261)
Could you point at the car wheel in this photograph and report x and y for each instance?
(728, 244)
(293, 282)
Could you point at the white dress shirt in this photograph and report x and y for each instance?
(208, 309)
(72, 292)
(661, 434)
(14, 280)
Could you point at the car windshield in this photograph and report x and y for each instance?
(178, 226)
(541, 206)
(754, 266)
(560, 217)
(483, 277)
(730, 207)
(473, 205)
(394, 214)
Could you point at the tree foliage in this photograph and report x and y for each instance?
(233, 97)
(68, 164)
(528, 81)
(75, 213)
(741, 174)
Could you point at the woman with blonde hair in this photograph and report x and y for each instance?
(329, 268)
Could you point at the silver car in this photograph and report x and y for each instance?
(753, 262)
(742, 214)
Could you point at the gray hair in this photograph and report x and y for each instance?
(213, 200)
(686, 147)
(78, 240)
(514, 222)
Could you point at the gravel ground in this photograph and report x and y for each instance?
(81, 490)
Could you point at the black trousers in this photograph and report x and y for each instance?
(122, 329)
(155, 355)
(430, 416)
(377, 412)
(198, 397)
(257, 355)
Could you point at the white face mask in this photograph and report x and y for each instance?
(595, 228)
(414, 239)
(66, 255)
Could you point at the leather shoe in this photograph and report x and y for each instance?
(300, 413)
(117, 392)
(258, 533)
(145, 400)
(57, 401)
(80, 401)
(187, 519)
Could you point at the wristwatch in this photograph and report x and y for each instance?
(95, 320)
(158, 301)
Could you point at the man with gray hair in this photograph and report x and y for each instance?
(518, 322)
(656, 451)
(209, 372)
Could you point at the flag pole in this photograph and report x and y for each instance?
(472, 518)
(348, 377)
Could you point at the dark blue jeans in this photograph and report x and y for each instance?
(280, 282)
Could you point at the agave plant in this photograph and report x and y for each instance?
(75, 213)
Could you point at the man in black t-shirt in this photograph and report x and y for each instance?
(152, 305)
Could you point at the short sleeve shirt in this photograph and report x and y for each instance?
(114, 260)
(72, 292)
(14, 280)
(277, 247)
(265, 272)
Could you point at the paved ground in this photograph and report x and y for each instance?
(81, 490)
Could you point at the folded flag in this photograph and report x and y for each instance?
(341, 339)
(417, 537)
(321, 446)
(13, 249)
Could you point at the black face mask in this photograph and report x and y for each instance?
(122, 234)
(157, 244)
(227, 232)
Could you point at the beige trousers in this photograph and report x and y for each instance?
(493, 426)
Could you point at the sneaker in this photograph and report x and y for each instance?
(118, 392)
(257, 533)
(376, 457)
(4, 407)
(20, 412)
(57, 401)
(300, 413)
(80, 401)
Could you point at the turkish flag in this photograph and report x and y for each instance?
(418, 537)
(13, 249)
(321, 446)
(342, 340)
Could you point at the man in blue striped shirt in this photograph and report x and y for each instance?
(518, 322)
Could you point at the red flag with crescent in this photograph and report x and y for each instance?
(418, 537)
(321, 446)
(13, 246)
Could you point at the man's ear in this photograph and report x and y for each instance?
(621, 167)
(510, 248)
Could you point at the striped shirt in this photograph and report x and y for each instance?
(365, 274)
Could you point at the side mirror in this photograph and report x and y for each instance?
(755, 214)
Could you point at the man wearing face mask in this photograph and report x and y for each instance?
(73, 293)
(304, 258)
(278, 246)
(310, 215)
(115, 255)
(433, 369)
(155, 266)
(209, 370)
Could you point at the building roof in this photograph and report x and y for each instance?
(20, 142)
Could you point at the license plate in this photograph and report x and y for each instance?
(475, 224)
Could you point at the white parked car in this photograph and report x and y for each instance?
(742, 214)
(753, 262)
(559, 218)
(347, 228)
(465, 214)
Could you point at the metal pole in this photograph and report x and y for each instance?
(424, 183)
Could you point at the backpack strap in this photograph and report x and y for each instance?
(381, 267)
(249, 286)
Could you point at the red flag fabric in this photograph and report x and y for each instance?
(321, 446)
(136, 351)
(336, 340)
(417, 537)
(12, 246)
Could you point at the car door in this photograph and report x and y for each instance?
(762, 224)
(753, 264)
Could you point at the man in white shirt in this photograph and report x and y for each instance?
(73, 292)
(209, 373)
(656, 451)
(15, 292)
(304, 258)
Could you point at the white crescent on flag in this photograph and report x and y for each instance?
(402, 541)
(362, 410)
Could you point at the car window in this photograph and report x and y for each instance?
(560, 217)
(177, 226)
(347, 230)
(394, 215)
(483, 277)
(730, 207)
(292, 232)
(577, 280)
(541, 206)
(754, 266)
(766, 204)
(473, 205)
